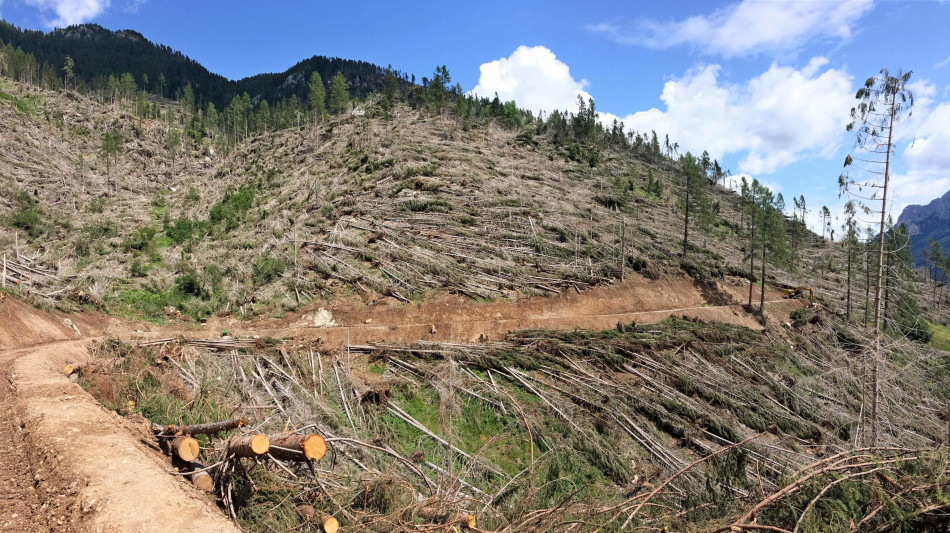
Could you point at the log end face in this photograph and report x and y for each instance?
(186, 448)
(260, 444)
(330, 524)
(315, 447)
(203, 481)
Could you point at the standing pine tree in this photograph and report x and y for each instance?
(882, 102)
(68, 72)
(339, 95)
(771, 237)
(694, 199)
(318, 97)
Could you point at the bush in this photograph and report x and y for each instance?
(96, 205)
(181, 231)
(28, 216)
(137, 269)
(188, 283)
(267, 269)
(140, 240)
(232, 208)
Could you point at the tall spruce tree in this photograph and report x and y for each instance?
(339, 95)
(694, 197)
(318, 97)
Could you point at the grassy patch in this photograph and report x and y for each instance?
(941, 337)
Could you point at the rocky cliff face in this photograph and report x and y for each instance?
(925, 222)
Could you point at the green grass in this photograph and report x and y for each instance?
(941, 337)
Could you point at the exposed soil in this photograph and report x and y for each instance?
(68, 464)
(458, 319)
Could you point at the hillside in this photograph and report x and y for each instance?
(926, 222)
(383, 276)
(399, 206)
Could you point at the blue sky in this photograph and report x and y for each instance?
(764, 86)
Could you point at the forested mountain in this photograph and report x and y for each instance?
(98, 53)
(925, 223)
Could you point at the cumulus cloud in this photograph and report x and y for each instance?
(775, 118)
(925, 138)
(69, 12)
(533, 77)
(745, 28)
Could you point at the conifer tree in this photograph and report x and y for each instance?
(772, 237)
(68, 72)
(882, 102)
(390, 85)
(694, 199)
(318, 97)
(111, 146)
(339, 95)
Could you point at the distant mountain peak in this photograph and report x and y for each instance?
(926, 222)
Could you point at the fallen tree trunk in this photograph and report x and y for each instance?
(291, 447)
(201, 429)
(252, 445)
(185, 448)
(200, 478)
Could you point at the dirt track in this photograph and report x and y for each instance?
(68, 464)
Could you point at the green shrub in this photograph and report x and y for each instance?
(140, 240)
(267, 269)
(181, 230)
(137, 268)
(28, 216)
(232, 208)
(188, 283)
(96, 205)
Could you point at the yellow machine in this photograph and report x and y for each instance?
(799, 292)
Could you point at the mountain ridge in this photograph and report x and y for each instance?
(99, 53)
(925, 222)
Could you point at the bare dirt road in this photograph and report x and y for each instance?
(68, 464)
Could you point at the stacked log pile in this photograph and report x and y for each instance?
(179, 442)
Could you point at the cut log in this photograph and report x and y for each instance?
(202, 429)
(305, 511)
(297, 447)
(330, 524)
(249, 445)
(202, 481)
(185, 448)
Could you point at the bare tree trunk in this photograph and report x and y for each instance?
(751, 247)
(847, 313)
(867, 281)
(880, 274)
(762, 292)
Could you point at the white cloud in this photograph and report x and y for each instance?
(69, 12)
(928, 151)
(776, 118)
(533, 77)
(927, 173)
(745, 28)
